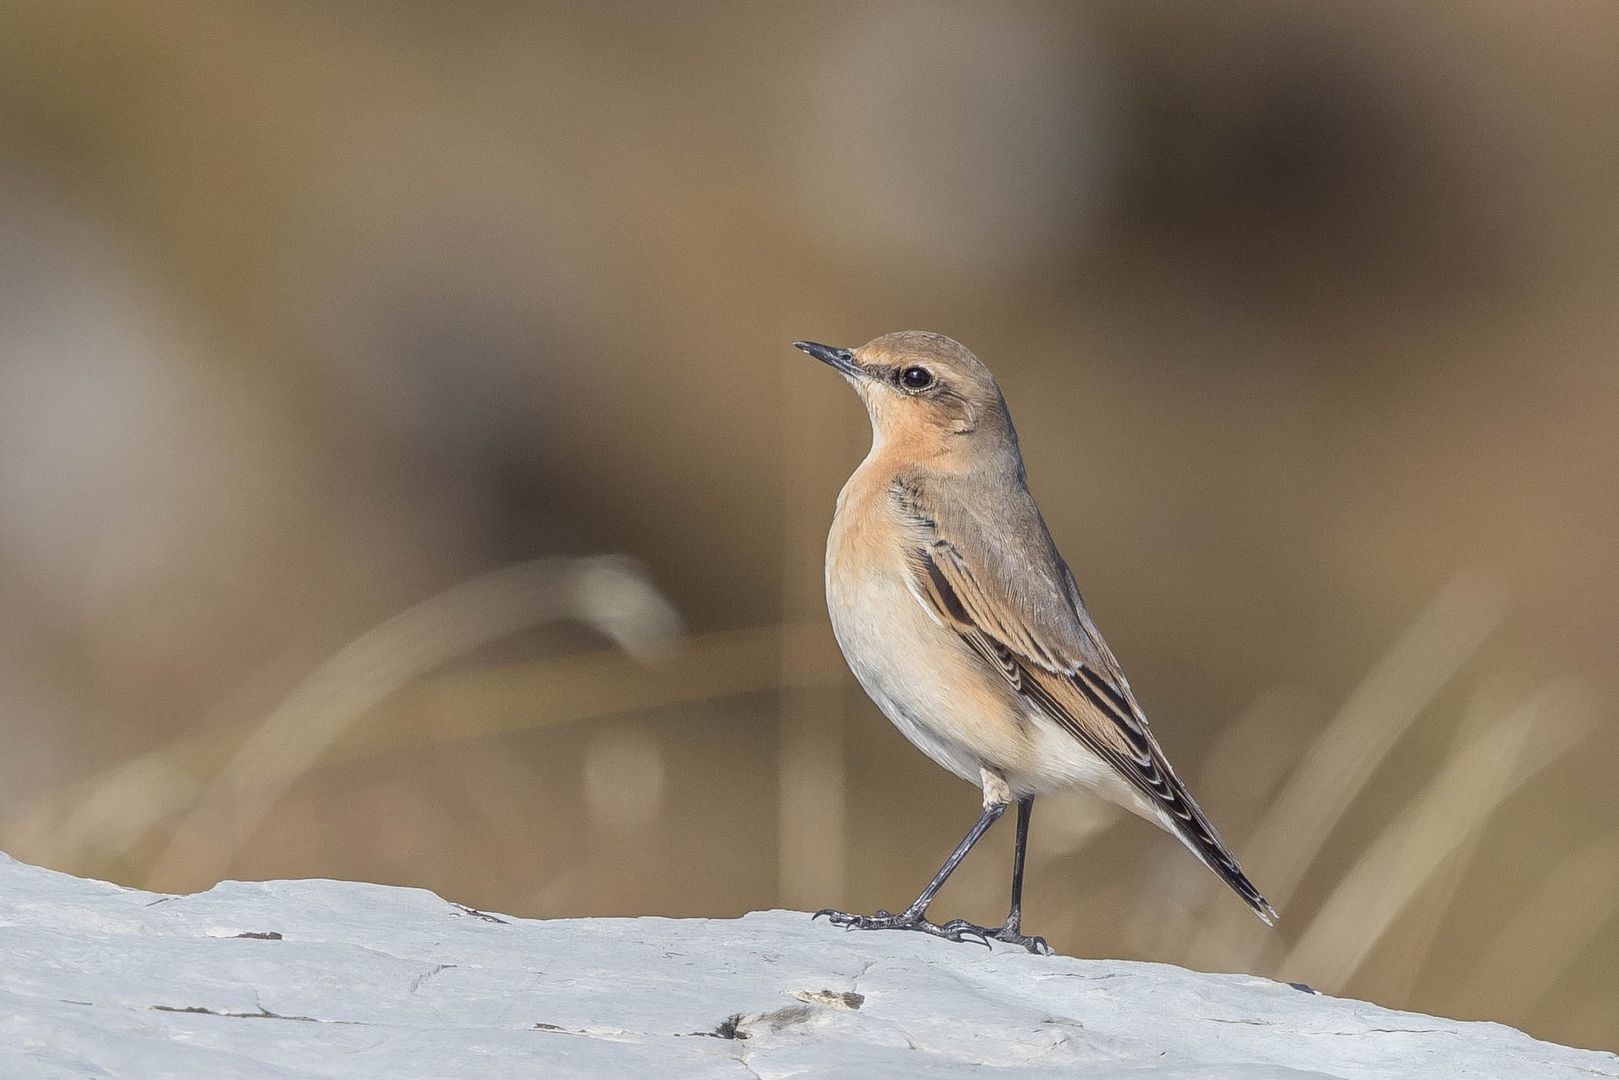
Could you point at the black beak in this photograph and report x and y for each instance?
(841, 359)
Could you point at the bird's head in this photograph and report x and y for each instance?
(923, 391)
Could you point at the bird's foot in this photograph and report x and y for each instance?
(1009, 933)
(1012, 933)
(955, 930)
(1032, 942)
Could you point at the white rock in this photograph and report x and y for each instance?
(335, 979)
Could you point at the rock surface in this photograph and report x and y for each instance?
(335, 979)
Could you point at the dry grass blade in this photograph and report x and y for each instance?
(1476, 780)
(1423, 919)
(103, 818)
(609, 593)
(1345, 755)
(585, 686)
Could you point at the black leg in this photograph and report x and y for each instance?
(990, 816)
(914, 917)
(1025, 808)
(1013, 930)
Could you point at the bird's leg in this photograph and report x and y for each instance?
(1025, 808)
(914, 917)
(1012, 931)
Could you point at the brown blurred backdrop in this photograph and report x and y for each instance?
(313, 318)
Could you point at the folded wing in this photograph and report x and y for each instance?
(1027, 621)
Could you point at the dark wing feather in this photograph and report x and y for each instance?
(1058, 661)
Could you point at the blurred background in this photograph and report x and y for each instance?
(405, 475)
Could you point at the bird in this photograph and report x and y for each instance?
(961, 621)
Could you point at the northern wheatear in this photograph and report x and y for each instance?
(963, 623)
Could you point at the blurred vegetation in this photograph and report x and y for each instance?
(334, 340)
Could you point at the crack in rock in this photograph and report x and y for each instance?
(1332, 1034)
(742, 1060)
(476, 914)
(261, 1014)
(416, 983)
(601, 1033)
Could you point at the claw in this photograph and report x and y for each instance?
(962, 930)
(838, 918)
(1036, 945)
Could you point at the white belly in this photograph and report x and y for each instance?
(893, 648)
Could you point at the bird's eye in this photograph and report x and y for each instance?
(916, 378)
